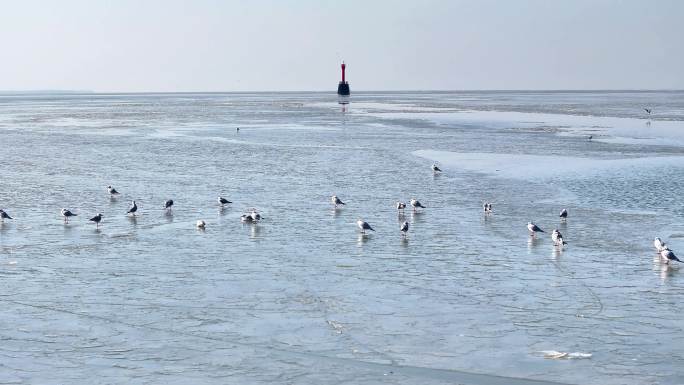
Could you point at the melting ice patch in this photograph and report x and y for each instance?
(522, 166)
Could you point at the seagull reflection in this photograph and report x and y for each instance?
(254, 231)
(532, 242)
(362, 238)
(666, 271)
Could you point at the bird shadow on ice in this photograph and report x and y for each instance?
(362, 239)
(532, 242)
(416, 216)
(254, 231)
(665, 270)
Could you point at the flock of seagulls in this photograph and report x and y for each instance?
(556, 235)
(253, 216)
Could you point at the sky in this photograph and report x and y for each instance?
(289, 45)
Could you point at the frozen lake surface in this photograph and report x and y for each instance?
(302, 297)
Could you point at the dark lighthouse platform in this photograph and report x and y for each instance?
(343, 87)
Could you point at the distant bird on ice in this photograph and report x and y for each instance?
(667, 256)
(557, 238)
(648, 110)
(404, 228)
(112, 190)
(533, 228)
(415, 204)
(363, 226)
(435, 168)
(97, 219)
(401, 206)
(67, 214)
(132, 209)
(223, 201)
(487, 207)
(564, 214)
(246, 218)
(4, 215)
(336, 201)
(659, 244)
(167, 204)
(201, 224)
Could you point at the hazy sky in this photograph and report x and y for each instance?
(213, 45)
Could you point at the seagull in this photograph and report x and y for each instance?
(336, 201)
(533, 228)
(591, 137)
(404, 228)
(167, 204)
(363, 226)
(256, 217)
(558, 238)
(401, 206)
(648, 110)
(667, 255)
(416, 204)
(4, 215)
(435, 168)
(222, 201)
(97, 219)
(659, 244)
(66, 214)
(133, 208)
(564, 214)
(112, 190)
(201, 224)
(246, 218)
(487, 207)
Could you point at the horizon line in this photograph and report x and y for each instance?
(95, 92)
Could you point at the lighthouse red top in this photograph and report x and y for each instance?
(343, 67)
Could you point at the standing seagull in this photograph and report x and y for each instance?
(201, 224)
(363, 226)
(659, 244)
(564, 214)
(112, 190)
(416, 204)
(404, 228)
(667, 255)
(336, 201)
(533, 229)
(167, 204)
(133, 208)
(648, 110)
(557, 238)
(66, 214)
(4, 215)
(401, 206)
(223, 201)
(97, 219)
(435, 168)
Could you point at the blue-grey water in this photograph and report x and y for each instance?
(302, 297)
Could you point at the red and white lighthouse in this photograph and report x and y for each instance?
(343, 87)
